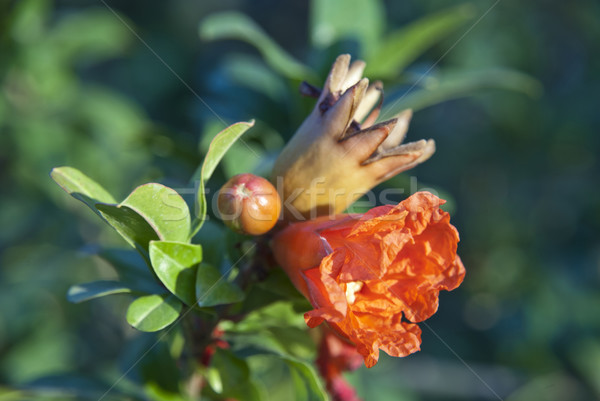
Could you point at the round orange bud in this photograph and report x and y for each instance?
(249, 204)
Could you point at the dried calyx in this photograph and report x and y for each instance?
(339, 153)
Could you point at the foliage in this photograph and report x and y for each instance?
(156, 222)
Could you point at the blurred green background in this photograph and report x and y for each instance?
(132, 94)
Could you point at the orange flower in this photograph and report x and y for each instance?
(373, 276)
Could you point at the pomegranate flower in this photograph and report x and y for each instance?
(372, 277)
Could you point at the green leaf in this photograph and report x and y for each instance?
(151, 212)
(213, 289)
(220, 144)
(217, 149)
(457, 85)
(281, 341)
(233, 25)
(28, 20)
(132, 227)
(402, 47)
(153, 312)
(81, 187)
(242, 158)
(214, 379)
(160, 373)
(175, 264)
(254, 74)
(277, 328)
(154, 390)
(286, 378)
(96, 289)
(334, 20)
(235, 379)
(149, 360)
(72, 37)
(163, 208)
(278, 314)
(306, 380)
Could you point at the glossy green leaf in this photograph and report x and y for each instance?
(163, 208)
(255, 154)
(81, 187)
(132, 227)
(402, 47)
(308, 384)
(217, 149)
(153, 312)
(96, 289)
(358, 20)
(151, 212)
(213, 289)
(233, 25)
(220, 144)
(457, 85)
(175, 264)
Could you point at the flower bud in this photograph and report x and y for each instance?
(249, 204)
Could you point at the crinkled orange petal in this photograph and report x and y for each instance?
(378, 274)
